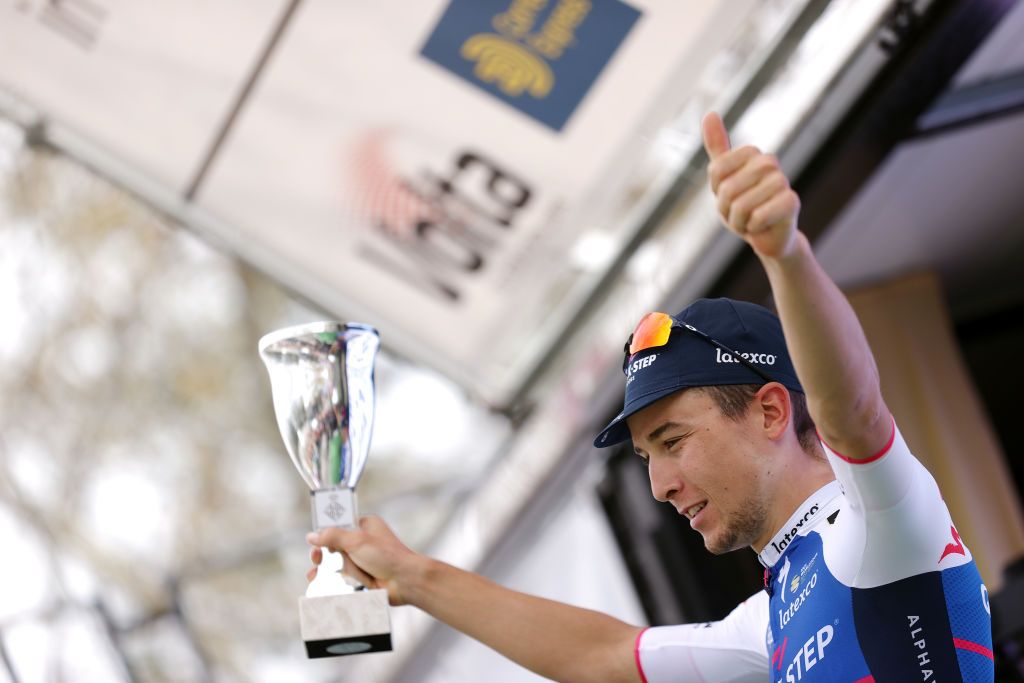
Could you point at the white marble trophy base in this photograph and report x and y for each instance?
(348, 624)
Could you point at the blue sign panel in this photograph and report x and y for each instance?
(540, 56)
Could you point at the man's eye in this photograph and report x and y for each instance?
(674, 441)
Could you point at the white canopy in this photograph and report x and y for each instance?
(427, 167)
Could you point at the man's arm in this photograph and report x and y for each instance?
(557, 641)
(825, 339)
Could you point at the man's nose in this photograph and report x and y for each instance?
(665, 481)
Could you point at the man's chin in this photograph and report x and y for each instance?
(719, 544)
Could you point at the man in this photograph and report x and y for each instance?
(866, 577)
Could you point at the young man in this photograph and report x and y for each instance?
(866, 577)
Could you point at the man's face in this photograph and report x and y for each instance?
(706, 465)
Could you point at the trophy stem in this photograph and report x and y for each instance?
(334, 507)
(329, 580)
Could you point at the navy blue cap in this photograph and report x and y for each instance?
(688, 360)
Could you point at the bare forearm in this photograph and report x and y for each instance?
(830, 352)
(555, 640)
(824, 337)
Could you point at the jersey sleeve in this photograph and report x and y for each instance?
(900, 525)
(732, 650)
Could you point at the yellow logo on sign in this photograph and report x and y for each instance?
(511, 67)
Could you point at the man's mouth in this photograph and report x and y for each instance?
(694, 510)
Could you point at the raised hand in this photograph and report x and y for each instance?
(754, 197)
(373, 555)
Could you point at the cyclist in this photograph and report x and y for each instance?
(764, 432)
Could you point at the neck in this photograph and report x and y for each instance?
(793, 485)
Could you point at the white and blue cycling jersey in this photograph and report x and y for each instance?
(868, 582)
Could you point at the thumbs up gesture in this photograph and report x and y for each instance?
(754, 197)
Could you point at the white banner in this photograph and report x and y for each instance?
(424, 165)
(149, 81)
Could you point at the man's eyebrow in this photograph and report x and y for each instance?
(653, 436)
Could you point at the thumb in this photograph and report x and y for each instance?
(716, 138)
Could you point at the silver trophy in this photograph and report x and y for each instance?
(321, 375)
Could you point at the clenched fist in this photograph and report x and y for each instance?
(754, 197)
(373, 556)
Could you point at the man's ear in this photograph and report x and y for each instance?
(775, 409)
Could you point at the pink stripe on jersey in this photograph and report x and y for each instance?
(866, 679)
(962, 644)
(696, 669)
(636, 654)
(864, 461)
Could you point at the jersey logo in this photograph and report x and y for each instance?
(780, 652)
(783, 575)
(810, 654)
(832, 518)
(956, 546)
(792, 533)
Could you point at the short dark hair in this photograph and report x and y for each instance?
(734, 399)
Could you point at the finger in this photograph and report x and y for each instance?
(716, 138)
(729, 163)
(371, 523)
(350, 568)
(748, 176)
(333, 538)
(779, 209)
(311, 574)
(376, 527)
(742, 209)
(316, 555)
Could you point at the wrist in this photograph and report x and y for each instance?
(416, 577)
(796, 252)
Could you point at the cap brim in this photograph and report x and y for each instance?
(614, 433)
(617, 431)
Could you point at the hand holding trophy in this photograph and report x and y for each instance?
(321, 375)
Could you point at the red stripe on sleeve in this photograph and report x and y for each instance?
(962, 644)
(636, 655)
(864, 461)
(866, 679)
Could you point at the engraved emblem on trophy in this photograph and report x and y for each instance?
(321, 376)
